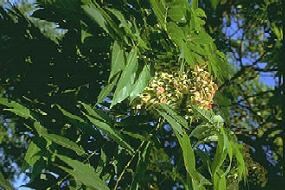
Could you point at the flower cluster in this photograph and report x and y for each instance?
(202, 89)
(171, 86)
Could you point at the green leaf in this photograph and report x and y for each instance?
(242, 170)
(176, 34)
(16, 108)
(219, 181)
(4, 183)
(278, 31)
(97, 114)
(221, 153)
(107, 89)
(65, 142)
(202, 131)
(187, 54)
(127, 79)
(83, 173)
(173, 114)
(188, 155)
(96, 15)
(123, 22)
(103, 19)
(84, 35)
(141, 82)
(141, 166)
(40, 129)
(177, 11)
(70, 115)
(31, 156)
(112, 133)
(159, 9)
(204, 114)
(184, 141)
(118, 60)
(175, 125)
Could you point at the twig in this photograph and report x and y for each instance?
(134, 155)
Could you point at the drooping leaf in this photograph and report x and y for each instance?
(112, 133)
(176, 34)
(118, 60)
(174, 124)
(186, 147)
(141, 82)
(219, 181)
(202, 131)
(223, 150)
(70, 115)
(16, 108)
(95, 14)
(32, 156)
(127, 79)
(141, 166)
(158, 6)
(194, 4)
(96, 113)
(65, 142)
(107, 89)
(123, 22)
(204, 114)
(83, 173)
(177, 117)
(103, 19)
(242, 169)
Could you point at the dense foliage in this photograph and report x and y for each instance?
(136, 95)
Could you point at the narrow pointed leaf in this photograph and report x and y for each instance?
(107, 90)
(70, 115)
(141, 82)
(118, 60)
(112, 133)
(83, 173)
(96, 113)
(127, 79)
(65, 142)
(16, 108)
(31, 156)
(158, 6)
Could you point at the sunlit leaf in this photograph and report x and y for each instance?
(16, 108)
(118, 60)
(141, 82)
(127, 79)
(32, 154)
(159, 9)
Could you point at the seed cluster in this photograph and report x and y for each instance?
(171, 86)
(257, 174)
